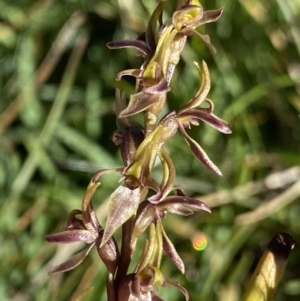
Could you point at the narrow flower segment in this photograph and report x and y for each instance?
(141, 202)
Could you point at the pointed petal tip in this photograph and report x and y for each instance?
(218, 172)
(72, 263)
(196, 64)
(228, 130)
(109, 45)
(123, 204)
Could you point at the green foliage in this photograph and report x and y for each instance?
(57, 84)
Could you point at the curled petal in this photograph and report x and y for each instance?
(209, 118)
(123, 204)
(180, 287)
(203, 90)
(73, 262)
(169, 175)
(150, 183)
(102, 172)
(88, 195)
(154, 199)
(88, 216)
(74, 223)
(71, 236)
(129, 72)
(172, 253)
(139, 45)
(199, 152)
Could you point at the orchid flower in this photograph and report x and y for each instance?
(162, 56)
(140, 201)
(144, 282)
(88, 230)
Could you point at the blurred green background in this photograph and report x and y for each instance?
(57, 115)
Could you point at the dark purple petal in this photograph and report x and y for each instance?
(172, 253)
(71, 263)
(71, 236)
(179, 191)
(109, 253)
(199, 152)
(169, 175)
(74, 223)
(129, 138)
(154, 199)
(170, 201)
(136, 44)
(180, 210)
(160, 87)
(135, 288)
(139, 102)
(123, 204)
(208, 118)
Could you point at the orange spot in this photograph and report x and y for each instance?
(199, 242)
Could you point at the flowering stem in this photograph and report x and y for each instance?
(126, 251)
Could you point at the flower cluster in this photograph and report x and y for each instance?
(141, 202)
